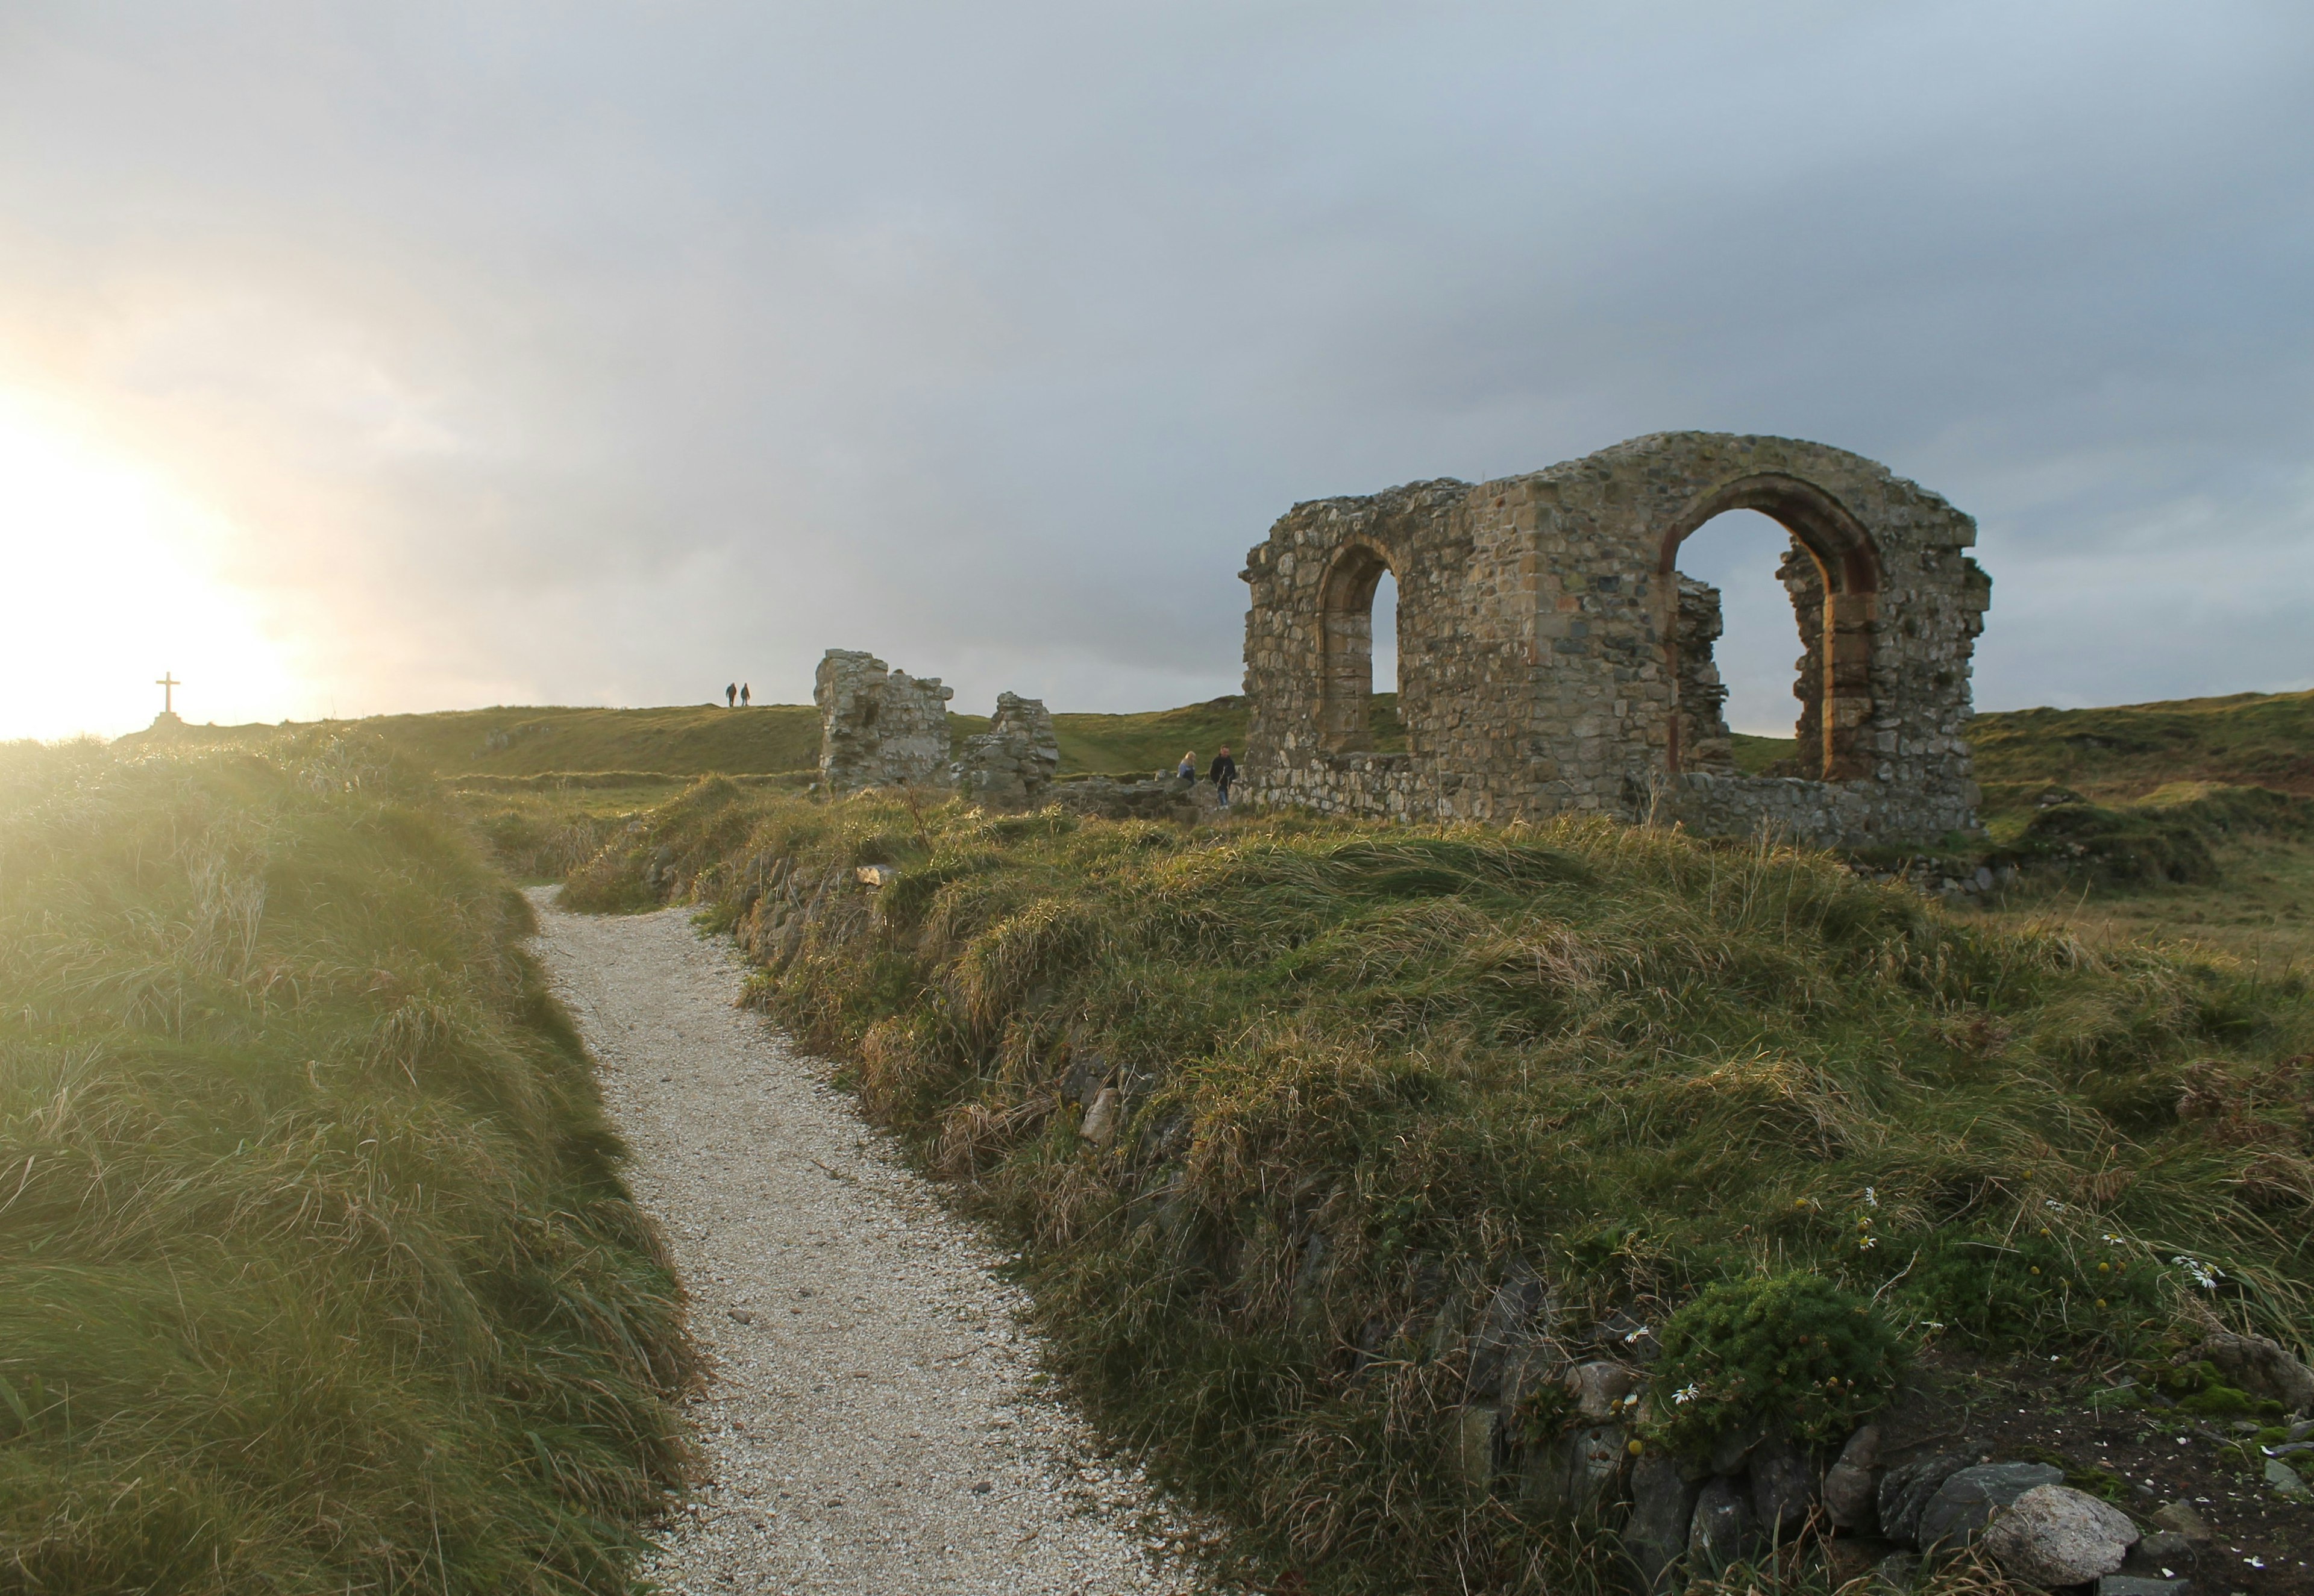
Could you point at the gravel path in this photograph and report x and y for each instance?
(873, 1423)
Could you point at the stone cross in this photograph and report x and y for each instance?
(168, 685)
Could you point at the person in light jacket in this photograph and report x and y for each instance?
(1187, 768)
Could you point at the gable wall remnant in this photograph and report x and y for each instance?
(883, 727)
(879, 727)
(1541, 632)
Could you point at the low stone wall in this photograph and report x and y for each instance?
(1814, 814)
(1371, 784)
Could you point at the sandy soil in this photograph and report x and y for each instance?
(874, 1423)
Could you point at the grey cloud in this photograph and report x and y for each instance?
(608, 351)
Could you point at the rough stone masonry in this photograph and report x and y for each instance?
(883, 727)
(1552, 659)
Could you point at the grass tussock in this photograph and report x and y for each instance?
(316, 1269)
(1363, 1078)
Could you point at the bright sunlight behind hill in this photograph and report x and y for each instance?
(111, 572)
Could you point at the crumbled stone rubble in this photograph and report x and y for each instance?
(1889, 1501)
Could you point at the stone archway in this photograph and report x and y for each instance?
(1833, 575)
(1345, 603)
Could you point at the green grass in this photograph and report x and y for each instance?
(615, 747)
(2254, 739)
(679, 740)
(1371, 1073)
(317, 1271)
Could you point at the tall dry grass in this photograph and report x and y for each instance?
(1368, 1074)
(317, 1273)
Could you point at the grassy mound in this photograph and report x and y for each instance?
(316, 1269)
(2249, 739)
(1362, 1083)
(2172, 833)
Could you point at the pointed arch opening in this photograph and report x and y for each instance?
(1831, 574)
(1347, 615)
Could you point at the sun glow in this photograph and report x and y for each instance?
(109, 573)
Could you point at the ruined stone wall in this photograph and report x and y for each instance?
(1010, 764)
(1703, 740)
(879, 727)
(1538, 629)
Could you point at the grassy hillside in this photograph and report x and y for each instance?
(1370, 1080)
(317, 1274)
(2249, 739)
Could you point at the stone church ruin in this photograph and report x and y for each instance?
(1552, 659)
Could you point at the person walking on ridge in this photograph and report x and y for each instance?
(731, 695)
(1224, 772)
(742, 695)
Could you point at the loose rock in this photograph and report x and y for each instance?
(1723, 1528)
(1848, 1485)
(1663, 1505)
(2053, 1535)
(2260, 1366)
(1965, 1502)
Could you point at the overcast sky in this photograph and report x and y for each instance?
(591, 353)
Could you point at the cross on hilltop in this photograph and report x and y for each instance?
(168, 685)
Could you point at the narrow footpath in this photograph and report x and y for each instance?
(873, 1421)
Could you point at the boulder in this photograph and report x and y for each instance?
(1905, 1492)
(1723, 1528)
(1783, 1485)
(1475, 1444)
(2286, 1482)
(1965, 1502)
(1594, 1464)
(1099, 1124)
(1655, 1536)
(1599, 1389)
(2259, 1366)
(2053, 1535)
(1848, 1483)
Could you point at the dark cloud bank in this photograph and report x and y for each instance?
(573, 353)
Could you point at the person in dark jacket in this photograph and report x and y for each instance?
(744, 696)
(731, 695)
(1224, 772)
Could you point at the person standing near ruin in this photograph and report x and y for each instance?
(1224, 772)
(742, 695)
(731, 695)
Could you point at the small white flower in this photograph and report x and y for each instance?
(2053, 1205)
(1865, 1241)
(2205, 1276)
(1686, 1394)
(1631, 1400)
(2255, 1561)
(1871, 1198)
(1635, 1334)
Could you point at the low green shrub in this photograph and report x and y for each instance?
(1795, 1355)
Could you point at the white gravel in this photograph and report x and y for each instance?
(873, 1421)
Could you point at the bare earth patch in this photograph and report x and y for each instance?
(874, 1422)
